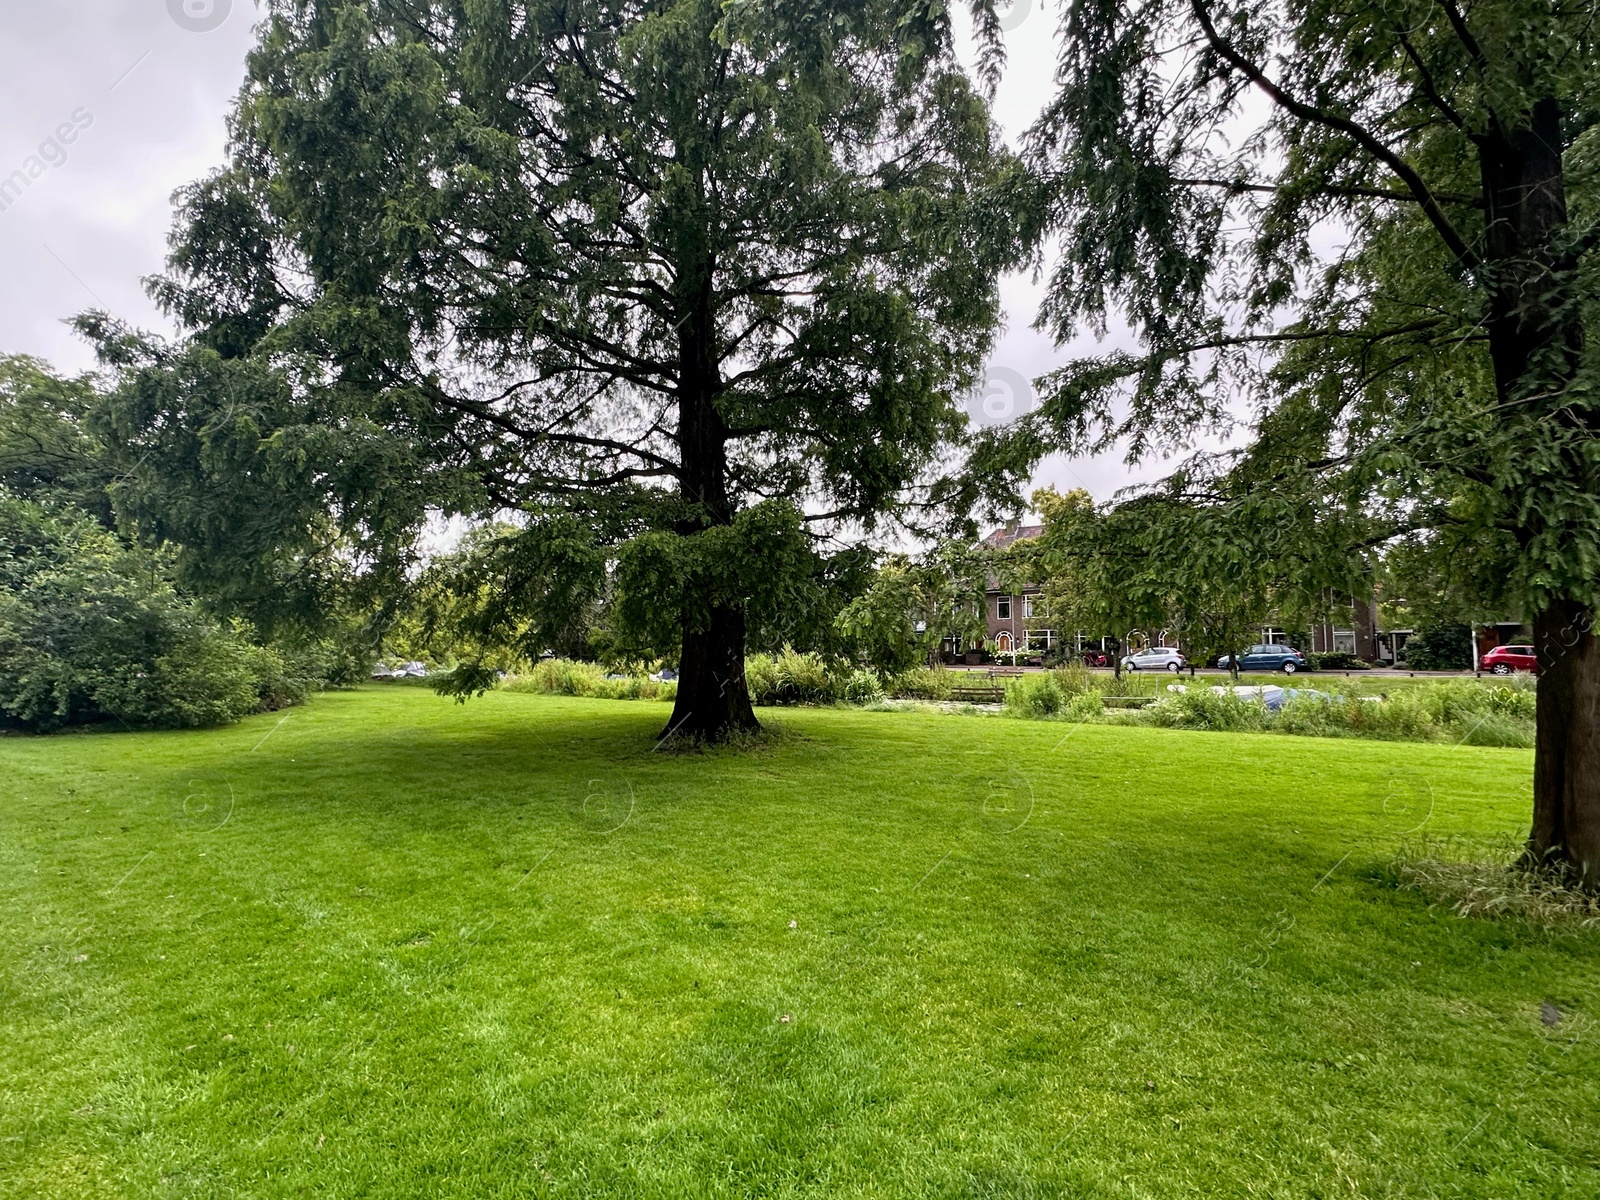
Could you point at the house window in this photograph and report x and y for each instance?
(1041, 639)
(1002, 608)
(1027, 605)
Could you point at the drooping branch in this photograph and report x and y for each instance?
(1402, 170)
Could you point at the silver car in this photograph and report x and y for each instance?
(1156, 658)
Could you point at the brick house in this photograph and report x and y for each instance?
(1008, 617)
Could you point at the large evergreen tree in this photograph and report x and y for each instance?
(1377, 221)
(672, 284)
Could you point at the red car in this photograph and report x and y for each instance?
(1503, 660)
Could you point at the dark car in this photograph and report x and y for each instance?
(1503, 660)
(1269, 658)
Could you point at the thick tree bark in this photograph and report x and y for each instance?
(1566, 771)
(713, 696)
(1535, 343)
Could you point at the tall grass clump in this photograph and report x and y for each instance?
(1075, 679)
(1204, 709)
(567, 677)
(1476, 879)
(923, 683)
(1035, 696)
(791, 678)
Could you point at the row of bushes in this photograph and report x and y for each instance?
(1452, 710)
(789, 678)
(565, 677)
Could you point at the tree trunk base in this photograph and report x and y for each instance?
(1565, 838)
(713, 702)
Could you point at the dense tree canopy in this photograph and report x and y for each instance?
(675, 286)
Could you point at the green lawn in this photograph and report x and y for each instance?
(394, 946)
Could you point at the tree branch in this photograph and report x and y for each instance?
(1403, 170)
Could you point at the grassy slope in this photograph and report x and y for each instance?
(505, 949)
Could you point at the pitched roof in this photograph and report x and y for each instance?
(1001, 538)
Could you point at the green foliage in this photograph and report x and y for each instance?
(912, 605)
(1461, 711)
(1442, 648)
(47, 453)
(791, 677)
(507, 595)
(645, 269)
(1035, 695)
(668, 583)
(564, 677)
(922, 683)
(92, 631)
(1074, 679)
(1337, 660)
(862, 687)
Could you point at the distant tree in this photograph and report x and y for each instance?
(913, 605)
(1379, 221)
(1090, 567)
(696, 279)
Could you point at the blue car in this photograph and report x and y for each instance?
(1268, 658)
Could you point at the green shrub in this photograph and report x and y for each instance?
(863, 687)
(761, 677)
(1204, 709)
(568, 677)
(1518, 700)
(1494, 729)
(1444, 648)
(1074, 679)
(1402, 717)
(1085, 706)
(1337, 660)
(790, 678)
(92, 631)
(1035, 696)
(1132, 683)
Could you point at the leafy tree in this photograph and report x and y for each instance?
(1379, 221)
(1091, 572)
(913, 605)
(663, 270)
(47, 453)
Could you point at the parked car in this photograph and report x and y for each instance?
(1156, 658)
(1268, 658)
(1503, 660)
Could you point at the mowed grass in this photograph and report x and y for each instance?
(392, 946)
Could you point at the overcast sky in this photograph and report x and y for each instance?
(142, 87)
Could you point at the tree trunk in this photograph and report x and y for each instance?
(713, 695)
(1536, 344)
(1566, 770)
